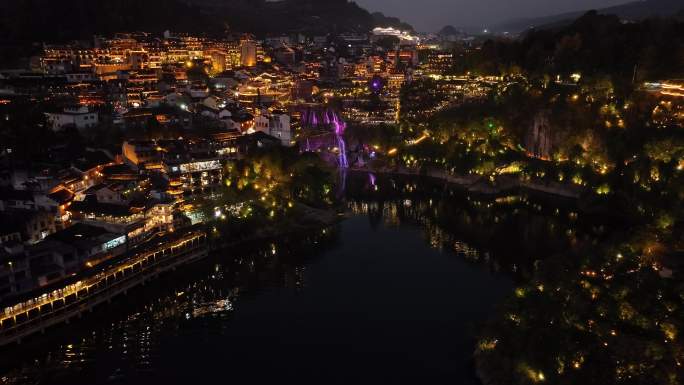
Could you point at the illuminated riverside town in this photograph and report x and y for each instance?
(339, 192)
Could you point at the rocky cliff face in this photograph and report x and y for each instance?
(539, 138)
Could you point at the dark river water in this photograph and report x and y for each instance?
(395, 294)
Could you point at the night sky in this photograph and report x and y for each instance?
(432, 15)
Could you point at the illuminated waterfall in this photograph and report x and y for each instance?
(328, 119)
(339, 134)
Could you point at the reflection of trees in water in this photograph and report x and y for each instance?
(512, 231)
(586, 313)
(590, 308)
(123, 340)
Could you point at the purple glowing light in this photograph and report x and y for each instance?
(339, 132)
(343, 152)
(376, 84)
(338, 124)
(312, 118)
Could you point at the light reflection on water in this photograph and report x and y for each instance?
(125, 342)
(130, 345)
(510, 231)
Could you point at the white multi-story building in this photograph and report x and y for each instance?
(79, 117)
(279, 127)
(276, 125)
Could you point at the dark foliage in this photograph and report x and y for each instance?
(633, 11)
(593, 44)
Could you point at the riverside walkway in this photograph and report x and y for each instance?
(61, 305)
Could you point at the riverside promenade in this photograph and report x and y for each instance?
(72, 299)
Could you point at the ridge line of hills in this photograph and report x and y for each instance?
(57, 21)
(633, 11)
(25, 24)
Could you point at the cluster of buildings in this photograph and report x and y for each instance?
(232, 78)
(77, 214)
(185, 105)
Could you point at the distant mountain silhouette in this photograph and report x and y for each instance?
(308, 16)
(637, 10)
(285, 16)
(24, 24)
(57, 21)
(63, 20)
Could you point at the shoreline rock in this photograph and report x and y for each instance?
(481, 185)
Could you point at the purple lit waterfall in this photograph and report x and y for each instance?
(372, 179)
(326, 129)
(339, 133)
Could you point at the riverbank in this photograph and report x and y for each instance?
(73, 299)
(281, 307)
(82, 293)
(479, 184)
